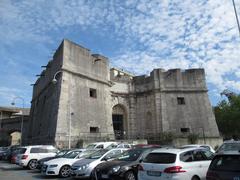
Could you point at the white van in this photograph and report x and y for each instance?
(33, 154)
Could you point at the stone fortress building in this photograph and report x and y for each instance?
(90, 101)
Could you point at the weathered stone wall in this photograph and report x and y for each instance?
(45, 101)
(78, 111)
(154, 108)
(196, 112)
(81, 103)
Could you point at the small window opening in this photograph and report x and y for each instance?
(185, 130)
(94, 129)
(181, 100)
(93, 93)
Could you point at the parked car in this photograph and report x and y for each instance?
(208, 147)
(181, 164)
(225, 166)
(3, 150)
(15, 153)
(84, 168)
(7, 155)
(61, 166)
(33, 154)
(230, 145)
(124, 167)
(59, 154)
(146, 146)
(102, 145)
(124, 145)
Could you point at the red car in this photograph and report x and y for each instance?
(15, 153)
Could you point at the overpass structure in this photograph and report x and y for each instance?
(10, 125)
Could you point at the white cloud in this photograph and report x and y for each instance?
(157, 34)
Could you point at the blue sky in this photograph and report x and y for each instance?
(136, 35)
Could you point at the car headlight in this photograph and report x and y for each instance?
(116, 169)
(53, 165)
(83, 167)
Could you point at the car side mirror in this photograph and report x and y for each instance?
(104, 159)
(140, 161)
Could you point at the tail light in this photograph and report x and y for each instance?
(174, 169)
(140, 168)
(24, 156)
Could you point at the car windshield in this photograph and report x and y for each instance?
(61, 153)
(229, 147)
(230, 163)
(91, 146)
(86, 153)
(21, 150)
(97, 154)
(130, 155)
(188, 146)
(72, 154)
(3, 148)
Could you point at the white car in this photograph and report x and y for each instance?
(102, 145)
(61, 166)
(33, 154)
(123, 145)
(208, 147)
(175, 164)
(84, 168)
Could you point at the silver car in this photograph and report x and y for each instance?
(83, 168)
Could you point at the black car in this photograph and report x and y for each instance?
(3, 151)
(58, 155)
(230, 145)
(225, 166)
(7, 155)
(125, 167)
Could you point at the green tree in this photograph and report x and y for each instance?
(227, 114)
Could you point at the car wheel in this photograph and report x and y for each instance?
(92, 175)
(130, 176)
(64, 171)
(32, 164)
(195, 178)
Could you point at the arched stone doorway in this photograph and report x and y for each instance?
(15, 138)
(119, 117)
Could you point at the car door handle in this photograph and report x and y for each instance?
(200, 166)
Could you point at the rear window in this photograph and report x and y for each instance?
(35, 150)
(230, 163)
(22, 150)
(229, 147)
(160, 158)
(42, 150)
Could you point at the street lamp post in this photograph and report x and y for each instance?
(203, 134)
(23, 102)
(1, 119)
(54, 81)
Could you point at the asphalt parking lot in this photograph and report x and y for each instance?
(14, 172)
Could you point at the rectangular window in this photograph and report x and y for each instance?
(35, 150)
(93, 93)
(180, 100)
(185, 130)
(160, 158)
(94, 129)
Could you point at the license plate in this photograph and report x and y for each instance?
(104, 176)
(153, 173)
